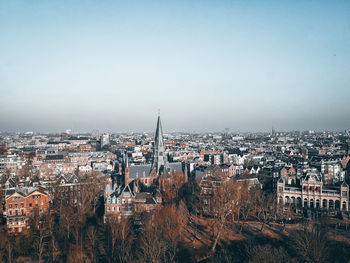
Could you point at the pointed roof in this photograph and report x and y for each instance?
(158, 137)
(108, 188)
(73, 179)
(158, 148)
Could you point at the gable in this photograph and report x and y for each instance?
(16, 194)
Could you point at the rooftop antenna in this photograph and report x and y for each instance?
(158, 112)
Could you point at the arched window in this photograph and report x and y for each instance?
(324, 203)
(312, 204)
(337, 204)
(287, 200)
(298, 201)
(293, 200)
(317, 203)
(331, 204)
(344, 206)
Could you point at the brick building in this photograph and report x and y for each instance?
(23, 204)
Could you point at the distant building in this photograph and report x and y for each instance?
(104, 140)
(311, 193)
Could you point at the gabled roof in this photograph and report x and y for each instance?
(16, 193)
(126, 189)
(10, 182)
(62, 177)
(73, 179)
(344, 184)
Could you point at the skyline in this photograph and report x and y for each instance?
(207, 65)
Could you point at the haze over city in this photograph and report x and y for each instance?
(186, 131)
(208, 65)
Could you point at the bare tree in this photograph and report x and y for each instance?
(162, 232)
(170, 187)
(113, 223)
(91, 233)
(77, 255)
(264, 206)
(152, 246)
(6, 246)
(172, 220)
(245, 206)
(310, 242)
(222, 204)
(51, 228)
(41, 235)
(268, 254)
(89, 191)
(121, 238)
(67, 220)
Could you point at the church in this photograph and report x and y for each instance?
(140, 185)
(148, 174)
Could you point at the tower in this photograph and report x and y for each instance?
(158, 148)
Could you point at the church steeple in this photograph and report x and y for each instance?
(158, 148)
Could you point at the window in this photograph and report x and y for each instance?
(30, 204)
(36, 203)
(22, 205)
(10, 205)
(123, 201)
(344, 193)
(42, 203)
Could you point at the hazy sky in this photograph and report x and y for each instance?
(109, 65)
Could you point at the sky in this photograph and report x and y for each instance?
(207, 65)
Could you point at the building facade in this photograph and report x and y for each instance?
(22, 205)
(311, 193)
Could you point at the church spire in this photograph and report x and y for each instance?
(158, 147)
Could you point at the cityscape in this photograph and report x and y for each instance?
(174, 131)
(107, 197)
